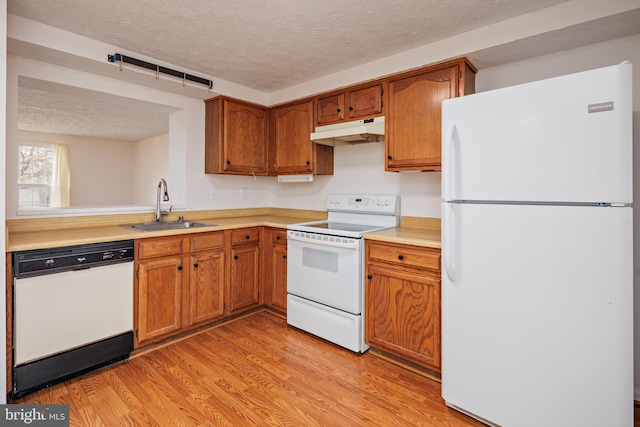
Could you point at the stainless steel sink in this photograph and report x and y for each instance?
(159, 226)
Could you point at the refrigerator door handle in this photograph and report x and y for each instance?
(447, 242)
(448, 160)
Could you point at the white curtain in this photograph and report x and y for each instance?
(61, 185)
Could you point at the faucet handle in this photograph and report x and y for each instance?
(165, 213)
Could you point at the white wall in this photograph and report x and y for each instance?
(101, 169)
(3, 119)
(186, 123)
(150, 163)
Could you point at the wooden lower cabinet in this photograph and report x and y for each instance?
(244, 270)
(179, 284)
(276, 262)
(159, 298)
(403, 302)
(206, 278)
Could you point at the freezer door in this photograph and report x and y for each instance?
(566, 139)
(537, 314)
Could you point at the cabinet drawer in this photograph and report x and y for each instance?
(279, 236)
(246, 235)
(152, 248)
(411, 256)
(204, 241)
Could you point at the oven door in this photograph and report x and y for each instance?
(326, 269)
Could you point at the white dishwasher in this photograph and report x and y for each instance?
(73, 312)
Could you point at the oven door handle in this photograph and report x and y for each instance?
(333, 241)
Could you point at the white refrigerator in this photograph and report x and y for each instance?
(537, 283)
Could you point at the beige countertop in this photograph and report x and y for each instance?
(26, 240)
(429, 238)
(47, 233)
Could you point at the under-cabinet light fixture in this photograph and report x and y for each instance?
(295, 178)
(158, 69)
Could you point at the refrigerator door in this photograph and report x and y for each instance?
(566, 139)
(539, 332)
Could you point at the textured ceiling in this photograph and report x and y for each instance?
(55, 108)
(266, 45)
(270, 45)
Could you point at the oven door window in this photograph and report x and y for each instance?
(320, 259)
(325, 274)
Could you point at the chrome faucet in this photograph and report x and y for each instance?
(165, 197)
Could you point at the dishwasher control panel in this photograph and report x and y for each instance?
(55, 260)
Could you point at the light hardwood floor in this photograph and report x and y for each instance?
(255, 370)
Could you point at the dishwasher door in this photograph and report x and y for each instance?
(72, 312)
(62, 311)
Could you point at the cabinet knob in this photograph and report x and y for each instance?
(351, 108)
(339, 110)
(277, 237)
(369, 277)
(179, 268)
(400, 257)
(195, 265)
(390, 157)
(308, 162)
(284, 257)
(235, 257)
(247, 237)
(228, 162)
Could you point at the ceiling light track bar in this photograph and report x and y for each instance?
(159, 69)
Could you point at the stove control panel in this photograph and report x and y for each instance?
(380, 204)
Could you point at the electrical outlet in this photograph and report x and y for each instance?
(244, 193)
(213, 194)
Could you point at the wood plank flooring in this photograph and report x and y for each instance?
(255, 370)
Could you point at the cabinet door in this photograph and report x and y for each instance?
(244, 282)
(330, 108)
(403, 314)
(291, 148)
(413, 135)
(244, 138)
(206, 287)
(158, 297)
(365, 102)
(278, 282)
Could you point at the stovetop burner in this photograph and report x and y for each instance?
(352, 216)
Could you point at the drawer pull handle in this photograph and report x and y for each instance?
(400, 257)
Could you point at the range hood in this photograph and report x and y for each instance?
(349, 133)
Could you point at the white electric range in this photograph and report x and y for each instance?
(325, 267)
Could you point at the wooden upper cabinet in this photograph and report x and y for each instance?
(350, 104)
(330, 108)
(413, 125)
(365, 102)
(235, 137)
(291, 149)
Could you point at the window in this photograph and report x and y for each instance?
(43, 175)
